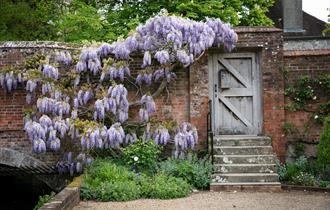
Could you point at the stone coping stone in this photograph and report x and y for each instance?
(66, 199)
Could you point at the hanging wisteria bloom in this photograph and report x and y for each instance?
(105, 50)
(10, 80)
(164, 73)
(31, 85)
(39, 146)
(130, 138)
(149, 103)
(68, 98)
(50, 72)
(162, 56)
(115, 135)
(83, 97)
(120, 73)
(63, 57)
(161, 136)
(146, 59)
(144, 77)
(185, 139)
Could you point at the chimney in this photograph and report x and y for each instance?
(292, 16)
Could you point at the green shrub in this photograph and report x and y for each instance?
(195, 172)
(323, 148)
(44, 199)
(303, 178)
(324, 184)
(106, 181)
(166, 187)
(146, 152)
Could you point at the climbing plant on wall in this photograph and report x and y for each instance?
(82, 100)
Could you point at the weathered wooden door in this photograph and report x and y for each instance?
(236, 93)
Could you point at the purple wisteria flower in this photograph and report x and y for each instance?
(115, 135)
(9, 80)
(184, 58)
(130, 138)
(46, 88)
(63, 57)
(99, 112)
(55, 145)
(161, 136)
(120, 73)
(61, 126)
(162, 56)
(186, 138)
(31, 85)
(39, 146)
(164, 73)
(146, 59)
(144, 116)
(81, 66)
(121, 50)
(149, 103)
(144, 77)
(105, 50)
(50, 72)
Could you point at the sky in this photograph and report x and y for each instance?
(317, 8)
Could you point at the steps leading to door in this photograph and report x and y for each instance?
(244, 163)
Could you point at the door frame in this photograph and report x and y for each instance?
(257, 87)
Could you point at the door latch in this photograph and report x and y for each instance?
(215, 90)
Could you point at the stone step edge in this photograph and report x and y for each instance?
(245, 183)
(241, 147)
(245, 156)
(244, 164)
(240, 137)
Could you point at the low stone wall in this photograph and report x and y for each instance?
(68, 198)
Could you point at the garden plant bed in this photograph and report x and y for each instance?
(304, 188)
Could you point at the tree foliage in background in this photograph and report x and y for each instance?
(106, 20)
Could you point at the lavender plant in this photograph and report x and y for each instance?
(84, 99)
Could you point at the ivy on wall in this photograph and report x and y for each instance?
(310, 95)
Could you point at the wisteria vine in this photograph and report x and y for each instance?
(84, 99)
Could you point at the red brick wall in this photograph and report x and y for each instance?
(12, 105)
(297, 64)
(188, 96)
(267, 42)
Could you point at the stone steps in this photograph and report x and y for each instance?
(244, 163)
(242, 141)
(243, 150)
(243, 159)
(247, 186)
(245, 177)
(245, 168)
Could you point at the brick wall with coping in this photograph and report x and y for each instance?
(297, 63)
(188, 96)
(12, 105)
(267, 42)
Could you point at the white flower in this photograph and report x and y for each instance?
(314, 98)
(136, 158)
(316, 116)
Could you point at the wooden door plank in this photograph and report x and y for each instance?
(240, 92)
(233, 71)
(235, 111)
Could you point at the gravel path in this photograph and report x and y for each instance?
(223, 200)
